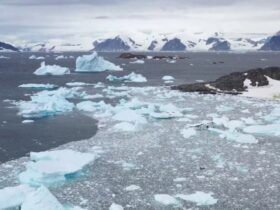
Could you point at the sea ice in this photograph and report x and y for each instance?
(39, 86)
(94, 63)
(166, 78)
(138, 62)
(77, 84)
(269, 130)
(34, 57)
(54, 166)
(132, 188)
(115, 206)
(200, 198)
(188, 132)
(4, 57)
(125, 126)
(165, 199)
(132, 77)
(129, 116)
(51, 70)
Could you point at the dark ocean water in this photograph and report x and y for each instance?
(17, 139)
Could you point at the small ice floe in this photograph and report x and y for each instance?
(270, 91)
(222, 108)
(63, 57)
(188, 132)
(268, 130)
(132, 77)
(90, 106)
(39, 86)
(236, 136)
(34, 57)
(171, 61)
(55, 166)
(129, 116)
(51, 70)
(115, 206)
(138, 62)
(132, 188)
(168, 79)
(165, 199)
(200, 198)
(4, 57)
(125, 126)
(94, 63)
(27, 121)
(180, 179)
(13, 197)
(77, 84)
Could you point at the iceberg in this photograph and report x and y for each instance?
(94, 63)
(55, 166)
(13, 197)
(132, 77)
(39, 86)
(51, 70)
(200, 198)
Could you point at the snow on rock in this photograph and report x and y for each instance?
(268, 130)
(51, 70)
(270, 91)
(236, 136)
(41, 199)
(95, 63)
(38, 86)
(132, 188)
(13, 197)
(55, 166)
(115, 206)
(132, 77)
(165, 199)
(138, 62)
(188, 132)
(200, 198)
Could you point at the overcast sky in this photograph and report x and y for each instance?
(44, 19)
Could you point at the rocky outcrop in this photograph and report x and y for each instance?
(174, 45)
(4, 46)
(234, 82)
(218, 44)
(132, 56)
(155, 57)
(115, 44)
(272, 44)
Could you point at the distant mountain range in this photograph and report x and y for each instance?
(157, 42)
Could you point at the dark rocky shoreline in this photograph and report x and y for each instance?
(234, 82)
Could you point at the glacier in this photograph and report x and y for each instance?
(51, 70)
(94, 63)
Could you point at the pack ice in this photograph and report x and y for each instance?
(132, 77)
(55, 166)
(94, 63)
(51, 70)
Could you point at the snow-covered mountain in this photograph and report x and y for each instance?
(7, 47)
(137, 41)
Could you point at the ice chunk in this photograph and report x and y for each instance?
(200, 198)
(129, 116)
(75, 84)
(94, 63)
(165, 199)
(165, 78)
(90, 106)
(132, 188)
(54, 166)
(51, 70)
(132, 77)
(138, 62)
(125, 126)
(115, 206)
(39, 86)
(236, 136)
(4, 57)
(61, 57)
(13, 197)
(27, 121)
(34, 57)
(166, 111)
(188, 132)
(269, 130)
(41, 199)
(180, 179)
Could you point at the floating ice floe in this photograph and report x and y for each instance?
(51, 70)
(132, 77)
(200, 198)
(129, 116)
(188, 132)
(115, 206)
(49, 103)
(268, 130)
(180, 179)
(166, 199)
(4, 57)
(95, 63)
(236, 136)
(27, 121)
(62, 57)
(167, 77)
(138, 62)
(171, 61)
(55, 166)
(38, 86)
(34, 57)
(77, 84)
(132, 188)
(270, 91)
(125, 126)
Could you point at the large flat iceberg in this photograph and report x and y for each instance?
(55, 166)
(95, 63)
(51, 70)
